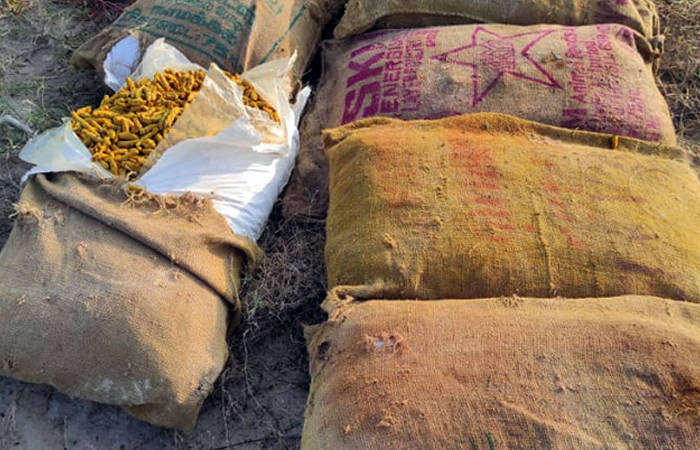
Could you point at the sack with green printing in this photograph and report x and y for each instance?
(235, 34)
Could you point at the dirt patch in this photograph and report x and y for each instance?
(37, 85)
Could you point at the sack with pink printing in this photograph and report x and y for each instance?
(593, 78)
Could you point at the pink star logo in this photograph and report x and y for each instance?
(492, 56)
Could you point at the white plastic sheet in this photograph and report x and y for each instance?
(121, 61)
(219, 148)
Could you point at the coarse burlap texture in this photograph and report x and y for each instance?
(236, 34)
(119, 299)
(361, 15)
(485, 205)
(589, 78)
(510, 373)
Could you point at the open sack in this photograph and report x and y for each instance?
(219, 148)
(120, 293)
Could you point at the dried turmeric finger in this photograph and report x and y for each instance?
(127, 136)
(127, 144)
(170, 119)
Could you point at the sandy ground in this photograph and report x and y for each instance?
(259, 402)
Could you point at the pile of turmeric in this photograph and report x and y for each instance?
(251, 97)
(126, 127)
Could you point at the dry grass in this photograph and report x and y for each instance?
(289, 284)
(680, 66)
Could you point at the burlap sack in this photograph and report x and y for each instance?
(486, 205)
(589, 78)
(236, 34)
(117, 300)
(515, 374)
(361, 15)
